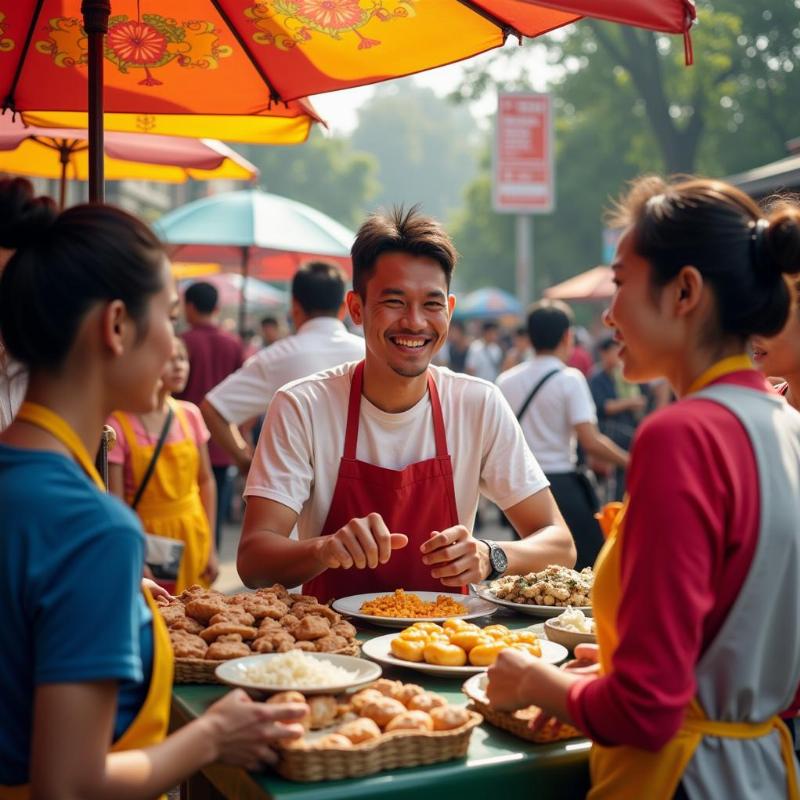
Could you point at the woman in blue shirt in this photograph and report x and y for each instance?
(85, 305)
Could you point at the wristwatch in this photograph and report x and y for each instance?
(498, 560)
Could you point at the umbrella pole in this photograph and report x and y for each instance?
(63, 157)
(95, 23)
(243, 297)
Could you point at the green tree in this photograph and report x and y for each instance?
(425, 148)
(626, 104)
(324, 172)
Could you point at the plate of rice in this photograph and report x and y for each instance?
(309, 673)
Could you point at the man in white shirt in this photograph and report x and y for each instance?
(485, 356)
(321, 341)
(380, 463)
(555, 409)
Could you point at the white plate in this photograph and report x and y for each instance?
(476, 687)
(525, 608)
(352, 605)
(233, 673)
(380, 650)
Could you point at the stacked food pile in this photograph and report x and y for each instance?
(385, 725)
(456, 642)
(209, 626)
(553, 586)
(402, 604)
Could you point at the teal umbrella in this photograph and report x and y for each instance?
(487, 303)
(258, 234)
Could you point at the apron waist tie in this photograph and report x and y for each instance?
(169, 508)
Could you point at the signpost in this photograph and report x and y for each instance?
(524, 171)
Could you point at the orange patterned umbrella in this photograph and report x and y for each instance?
(249, 60)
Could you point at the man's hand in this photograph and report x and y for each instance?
(211, 570)
(456, 556)
(364, 542)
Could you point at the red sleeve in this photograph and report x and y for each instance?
(677, 554)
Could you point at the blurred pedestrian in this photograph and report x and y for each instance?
(520, 350)
(485, 356)
(271, 330)
(161, 468)
(457, 346)
(554, 407)
(213, 355)
(620, 406)
(581, 358)
(86, 675)
(321, 342)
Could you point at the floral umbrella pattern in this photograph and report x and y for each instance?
(5, 44)
(146, 44)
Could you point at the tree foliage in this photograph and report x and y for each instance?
(324, 172)
(426, 149)
(626, 104)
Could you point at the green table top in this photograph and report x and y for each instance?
(496, 760)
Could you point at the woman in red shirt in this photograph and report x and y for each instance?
(697, 579)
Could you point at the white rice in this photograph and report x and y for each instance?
(295, 669)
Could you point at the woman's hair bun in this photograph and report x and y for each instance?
(23, 216)
(781, 239)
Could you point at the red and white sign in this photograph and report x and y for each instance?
(524, 171)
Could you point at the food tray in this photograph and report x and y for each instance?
(199, 670)
(391, 751)
(515, 722)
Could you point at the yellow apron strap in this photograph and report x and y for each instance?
(48, 420)
(127, 429)
(150, 725)
(726, 366)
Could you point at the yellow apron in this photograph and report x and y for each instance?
(150, 725)
(629, 773)
(170, 505)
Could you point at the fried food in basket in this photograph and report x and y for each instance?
(407, 604)
(252, 622)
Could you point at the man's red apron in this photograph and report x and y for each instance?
(415, 501)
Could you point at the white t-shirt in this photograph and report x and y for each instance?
(320, 343)
(297, 459)
(13, 385)
(549, 421)
(484, 359)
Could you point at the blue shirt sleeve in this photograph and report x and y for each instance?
(80, 634)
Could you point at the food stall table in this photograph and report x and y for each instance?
(496, 762)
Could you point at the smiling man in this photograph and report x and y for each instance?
(380, 463)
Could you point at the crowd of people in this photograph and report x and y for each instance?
(367, 476)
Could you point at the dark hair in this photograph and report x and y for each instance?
(62, 265)
(606, 343)
(404, 232)
(269, 320)
(203, 296)
(548, 321)
(319, 288)
(490, 325)
(716, 228)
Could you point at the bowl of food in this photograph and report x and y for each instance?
(296, 670)
(571, 628)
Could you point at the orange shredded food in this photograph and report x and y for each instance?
(403, 604)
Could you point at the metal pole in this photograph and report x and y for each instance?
(243, 298)
(63, 155)
(95, 23)
(524, 258)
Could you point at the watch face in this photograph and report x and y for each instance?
(499, 559)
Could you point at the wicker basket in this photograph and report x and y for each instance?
(516, 722)
(198, 670)
(391, 751)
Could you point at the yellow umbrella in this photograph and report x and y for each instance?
(63, 153)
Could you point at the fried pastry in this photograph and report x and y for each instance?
(309, 628)
(292, 697)
(268, 624)
(288, 621)
(324, 710)
(334, 740)
(344, 629)
(187, 645)
(273, 642)
(411, 721)
(446, 718)
(301, 598)
(360, 730)
(187, 624)
(309, 647)
(330, 644)
(233, 614)
(385, 686)
(426, 701)
(276, 589)
(364, 697)
(405, 691)
(383, 710)
(245, 631)
(260, 608)
(172, 612)
(224, 651)
(203, 608)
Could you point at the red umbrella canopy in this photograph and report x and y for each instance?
(237, 56)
